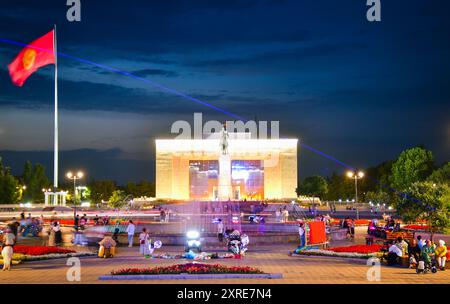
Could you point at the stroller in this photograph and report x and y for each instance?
(237, 243)
(426, 266)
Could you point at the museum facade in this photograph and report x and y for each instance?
(235, 168)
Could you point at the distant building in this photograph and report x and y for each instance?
(226, 166)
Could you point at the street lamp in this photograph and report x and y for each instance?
(74, 177)
(356, 175)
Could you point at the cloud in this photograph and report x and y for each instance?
(154, 72)
(97, 164)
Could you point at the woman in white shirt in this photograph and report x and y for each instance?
(144, 242)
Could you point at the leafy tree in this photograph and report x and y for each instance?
(413, 165)
(143, 188)
(441, 175)
(117, 199)
(313, 186)
(379, 178)
(339, 187)
(101, 190)
(378, 197)
(9, 193)
(427, 201)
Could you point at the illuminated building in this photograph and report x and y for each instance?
(252, 169)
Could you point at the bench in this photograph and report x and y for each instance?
(406, 235)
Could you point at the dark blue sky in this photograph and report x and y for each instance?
(360, 91)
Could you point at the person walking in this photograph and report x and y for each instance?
(144, 242)
(7, 252)
(130, 231)
(220, 230)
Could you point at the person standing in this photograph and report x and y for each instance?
(58, 234)
(7, 252)
(302, 234)
(76, 222)
(420, 242)
(277, 215)
(130, 231)
(220, 230)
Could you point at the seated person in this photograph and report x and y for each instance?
(441, 254)
(394, 253)
(414, 253)
(403, 245)
(107, 244)
(428, 252)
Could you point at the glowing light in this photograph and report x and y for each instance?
(192, 234)
(241, 174)
(360, 174)
(350, 174)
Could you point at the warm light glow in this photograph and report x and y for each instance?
(350, 174)
(361, 174)
(69, 174)
(80, 174)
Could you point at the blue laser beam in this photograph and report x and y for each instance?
(125, 73)
(181, 94)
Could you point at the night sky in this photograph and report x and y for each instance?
(359, 91)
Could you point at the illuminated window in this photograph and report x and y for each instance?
(203, 179)
(247, 179)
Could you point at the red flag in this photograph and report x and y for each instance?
(34, 56)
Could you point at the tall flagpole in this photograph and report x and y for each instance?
(55, 161)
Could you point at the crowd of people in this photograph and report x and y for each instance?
(417, 250)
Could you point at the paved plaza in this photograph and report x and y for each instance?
(273, 259)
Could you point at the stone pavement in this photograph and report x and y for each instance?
(274, 259)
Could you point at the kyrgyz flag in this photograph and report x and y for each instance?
(35, 55)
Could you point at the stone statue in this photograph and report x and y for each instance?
(224, 141)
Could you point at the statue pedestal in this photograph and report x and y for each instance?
(224, 189)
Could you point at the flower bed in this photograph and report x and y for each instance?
(189, 268)
(358, 248)
(360, 222)
(355, 251)
(320, 252)
(40, 250)
(416, 227)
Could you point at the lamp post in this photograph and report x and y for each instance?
(356, 175)
(74, 177)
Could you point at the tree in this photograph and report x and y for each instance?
(441, 175)
(143, 188)
(101, 190)
(117, 199)
(427, 201)
(35, 179)
(378, 197)
(9, 186)
(313, 186)
(339, 187)
(413, 165)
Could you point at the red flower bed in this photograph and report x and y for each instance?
(189, 268)
(66, 222)
(358, 248)
(40, 250)
(357, 222)
(416, 227)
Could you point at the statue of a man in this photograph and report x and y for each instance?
(224, 141)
